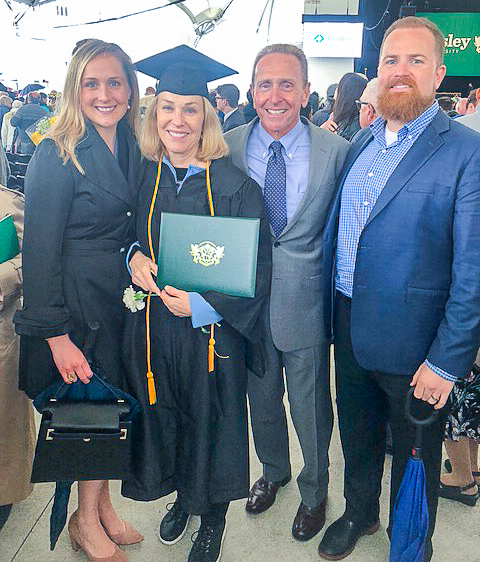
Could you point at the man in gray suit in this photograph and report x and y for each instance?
(296, 165)
(472, 120)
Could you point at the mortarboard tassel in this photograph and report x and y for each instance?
(152, 394)
(211, 341)
(211, 349)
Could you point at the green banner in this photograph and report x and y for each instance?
(462, 41)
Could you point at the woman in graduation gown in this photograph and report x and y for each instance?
(80, 192)
(194, 438)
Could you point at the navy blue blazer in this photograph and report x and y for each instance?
(416, 289)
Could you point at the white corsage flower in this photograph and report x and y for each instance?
(133, 300)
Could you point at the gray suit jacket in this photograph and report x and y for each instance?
(472, 120)
(296, 299)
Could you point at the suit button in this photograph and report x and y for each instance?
(122, 250)
(129, 213)
(276, 244)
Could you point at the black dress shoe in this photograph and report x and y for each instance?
(173, 525)
(262, 495)
(308, 521)
(341, 537)
(208, 543)
(4, 514)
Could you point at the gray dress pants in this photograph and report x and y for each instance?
(307, 373)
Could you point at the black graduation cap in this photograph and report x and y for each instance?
(183, 71)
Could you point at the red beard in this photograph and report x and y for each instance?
(402, 107)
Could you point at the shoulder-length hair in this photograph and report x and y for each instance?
(69, 127)
(212, 144)
(350, 88)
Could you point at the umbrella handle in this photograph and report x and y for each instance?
(417, 422)
(411, 418)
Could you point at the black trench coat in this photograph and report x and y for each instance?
(76, 230)
(194, 440)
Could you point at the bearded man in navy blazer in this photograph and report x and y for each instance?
(404, 230)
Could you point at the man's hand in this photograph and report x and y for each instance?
(177, 301)
(430, 387)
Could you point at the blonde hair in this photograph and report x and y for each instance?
(212, 144)
(69, 127)
(413, 22)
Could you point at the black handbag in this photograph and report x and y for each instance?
(84, 440)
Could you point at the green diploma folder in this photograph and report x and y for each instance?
(8, 239)
(200, 253)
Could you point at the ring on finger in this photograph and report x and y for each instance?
(436, 398)
(72, 377)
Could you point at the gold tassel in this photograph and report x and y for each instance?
(211, 341)
(152, 394)
(211, 349)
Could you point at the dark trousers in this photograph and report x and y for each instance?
(367, 401)
(215, 515)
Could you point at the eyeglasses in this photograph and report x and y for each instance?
(359, 104)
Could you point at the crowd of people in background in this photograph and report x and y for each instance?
(346, 121)
(343, 186)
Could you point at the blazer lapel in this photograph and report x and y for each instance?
(316, 171)
(238, 149)
(421, 151)
(108, 176)
(319, 156)
(355, 150)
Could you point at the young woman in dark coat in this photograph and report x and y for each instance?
(344, 120)
(194, 439)
(80, 198)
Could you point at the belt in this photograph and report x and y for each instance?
(74, 246)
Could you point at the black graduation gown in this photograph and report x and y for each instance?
(189, 441)
(76, 230)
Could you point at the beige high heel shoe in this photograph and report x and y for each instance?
(129, 536)
(76, 541)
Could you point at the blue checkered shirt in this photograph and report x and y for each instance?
(363, 184)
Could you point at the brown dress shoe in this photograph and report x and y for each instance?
(308, 521)
(263, 494)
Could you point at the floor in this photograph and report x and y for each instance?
(263, 538)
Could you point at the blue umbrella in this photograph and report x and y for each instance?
(31, 88)
(410, 515)
(58, 517)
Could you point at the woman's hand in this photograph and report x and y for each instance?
(142, 269)
(177, 301)
(330, 125)
(69, 360)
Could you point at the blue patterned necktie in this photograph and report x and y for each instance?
(275, 190)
